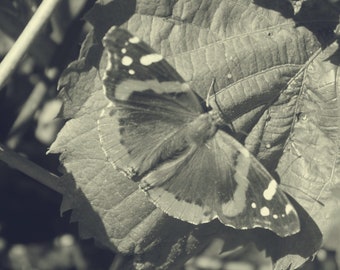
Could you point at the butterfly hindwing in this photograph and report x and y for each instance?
(257, 200)
(221, 179)
(157, 132)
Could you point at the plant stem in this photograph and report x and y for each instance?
(20, 47)
(120, 261)
(31, 169)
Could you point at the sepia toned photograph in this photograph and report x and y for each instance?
(169, 135)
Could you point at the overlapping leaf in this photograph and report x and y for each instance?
(265, 86)
(311, 156)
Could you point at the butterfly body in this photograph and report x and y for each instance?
(201, 129)
(156, 132)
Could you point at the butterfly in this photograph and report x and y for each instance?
(157, 132)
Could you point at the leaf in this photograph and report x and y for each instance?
(259, 59)
(311, 157)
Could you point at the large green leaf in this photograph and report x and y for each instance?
(267, 85)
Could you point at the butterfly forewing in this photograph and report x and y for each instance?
(150, 130)
(134, 66)
(156, 132)
(135, 58)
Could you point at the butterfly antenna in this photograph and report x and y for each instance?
(211, 88)
(215, 96)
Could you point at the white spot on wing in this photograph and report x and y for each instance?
(253, 205)
(244, 152)
(123, 50)
(127, 61)
(147, 60)
(264, 211)
(275, 216)
(131, 72)
(102, 113)
(126, 87)
(134, 40)
(289, 208)
(269, 193)
(235, 206)
(109, 63)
